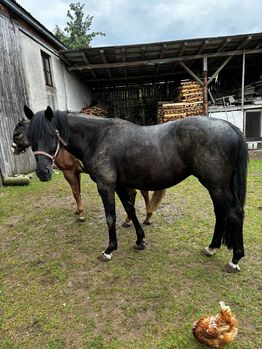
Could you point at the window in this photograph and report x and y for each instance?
(253, 125)
(46, 68)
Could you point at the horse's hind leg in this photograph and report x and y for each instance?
(130, 210)
(234, 235)
(132, 195)
(231, 228)
(73, 180)
(219, 229)
(145, 195)
(153, 203)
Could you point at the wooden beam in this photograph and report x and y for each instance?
(163, 48)
(123, 51)
(224, 43)
(160, 61)
(248, 38)
(243, 82)
(191, 73)
(218, 70)
(202, 47)
(200, 50)
(64, 59)
(142, 51)
(205, 96)
(102, 53)
(86, 60)
(180, 54)
(221, 48)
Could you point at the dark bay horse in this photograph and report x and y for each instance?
(72, 169)
(118, 155)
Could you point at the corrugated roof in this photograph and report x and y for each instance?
(118, 65)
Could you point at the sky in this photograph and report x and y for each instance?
(144, 21)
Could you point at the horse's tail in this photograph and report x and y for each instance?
(240, 172)
(239, 181)
(155, 200)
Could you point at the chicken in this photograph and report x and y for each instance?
(216, 331)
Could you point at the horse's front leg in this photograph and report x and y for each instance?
(74, 181)
(107, 194)
(130, 210)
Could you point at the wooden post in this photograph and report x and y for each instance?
(205, 95)
(243, 81)
(243, 91)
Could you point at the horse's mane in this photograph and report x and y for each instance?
(40, 126)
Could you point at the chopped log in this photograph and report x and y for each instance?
(97, 110)
(19, 180)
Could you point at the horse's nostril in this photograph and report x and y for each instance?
(48, 171)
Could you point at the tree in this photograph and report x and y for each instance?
(77, 32)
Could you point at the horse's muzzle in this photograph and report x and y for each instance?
(44, 175)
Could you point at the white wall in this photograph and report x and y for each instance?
(234, 116)
(68, 93)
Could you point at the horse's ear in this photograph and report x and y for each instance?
(49, 113)
(28, 112)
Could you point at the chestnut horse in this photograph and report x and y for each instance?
(72, 169)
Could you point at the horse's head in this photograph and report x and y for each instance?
(20, 141)
(44, 140)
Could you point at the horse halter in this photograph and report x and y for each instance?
(52, 157)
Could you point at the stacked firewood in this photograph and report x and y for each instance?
(97, 110)
(190, 91)
(190, 102)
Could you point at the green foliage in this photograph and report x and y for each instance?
(77, 33)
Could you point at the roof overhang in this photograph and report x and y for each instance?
(156, 62)
(15, 8)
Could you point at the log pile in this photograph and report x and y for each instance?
(97, 110)
(190, 91)
(190, 102)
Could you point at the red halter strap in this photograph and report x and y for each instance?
(52, 157)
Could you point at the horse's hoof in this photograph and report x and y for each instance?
(140, 246)
(105, 257)
(126, 225)
(232, 268)
(81, 218)
(209, 251)
(147, 222)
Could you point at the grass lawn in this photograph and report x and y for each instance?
(55, 293)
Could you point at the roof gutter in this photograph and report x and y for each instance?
(15, 9)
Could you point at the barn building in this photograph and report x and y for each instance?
(32, 73)
(135, 82)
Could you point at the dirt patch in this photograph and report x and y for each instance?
(255, 154)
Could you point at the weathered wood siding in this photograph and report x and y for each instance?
(13, 96)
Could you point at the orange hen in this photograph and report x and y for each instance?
(216, 331)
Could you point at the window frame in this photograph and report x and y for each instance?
(248, 114)
(46, 65)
